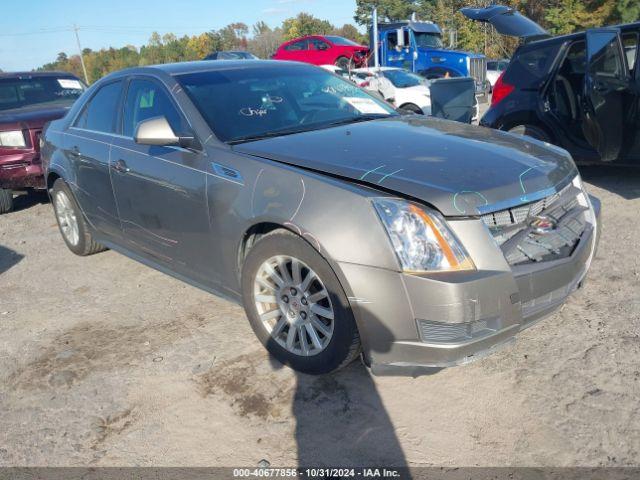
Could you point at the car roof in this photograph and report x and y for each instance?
(572, 36)
(52, 73)
(181, 68)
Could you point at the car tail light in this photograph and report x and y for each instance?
(365, 84)
(501, 90)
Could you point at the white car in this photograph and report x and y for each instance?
(405, 90)
(495, 69)
(341, 72)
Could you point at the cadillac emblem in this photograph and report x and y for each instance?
(542, 225)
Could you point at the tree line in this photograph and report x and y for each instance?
(259, 39)
(557, 16)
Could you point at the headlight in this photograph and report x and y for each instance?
(421, 239)
(13, 138)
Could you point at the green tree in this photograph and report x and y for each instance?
(265, 40)
(388, 10)
(305, 24)
(351, 32)
(569, 16)
(628, 10)
(199, 46)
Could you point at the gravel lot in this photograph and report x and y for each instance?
(106, 362)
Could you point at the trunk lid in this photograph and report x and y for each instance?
(507, 21)
(459, 169)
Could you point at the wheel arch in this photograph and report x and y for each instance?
(533, 123)
(263, 227)
(523, 115)
(52, 176)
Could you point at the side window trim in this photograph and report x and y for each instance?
(636, 35)
(73, 123)
(165, 89)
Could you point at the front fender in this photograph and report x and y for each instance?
(54, 161)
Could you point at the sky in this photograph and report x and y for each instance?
(32, 32)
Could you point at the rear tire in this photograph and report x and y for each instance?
(73, 227)
(6, 200)
(531, 131)
(280, 303)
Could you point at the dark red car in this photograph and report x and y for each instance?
(324, 50)
(27, 102)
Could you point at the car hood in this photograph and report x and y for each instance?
(31, 117)
(461, 170)
(417, 90)
(507, 21)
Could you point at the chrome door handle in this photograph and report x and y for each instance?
(121, 166)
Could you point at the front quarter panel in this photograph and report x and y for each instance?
(54, 161)
(335, 217)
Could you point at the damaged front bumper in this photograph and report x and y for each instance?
(21, 171)
(427, 322)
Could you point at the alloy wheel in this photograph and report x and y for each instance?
(294, 305)
(67, 218)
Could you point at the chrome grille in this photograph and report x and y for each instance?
(478, 69)
(518, 237)
(440, 332)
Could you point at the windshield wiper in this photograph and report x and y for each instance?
(361, 118)
(262, 136)
(293, 131)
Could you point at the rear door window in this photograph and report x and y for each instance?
(318, 44)
(147, 99)
(101, 111)
(531, 65)
(297, 46)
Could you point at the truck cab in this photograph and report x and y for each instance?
(418, 47)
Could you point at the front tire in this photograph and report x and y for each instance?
(343, 63)
(411, 108)
(296, 305)
(6, 200)
(71, 222)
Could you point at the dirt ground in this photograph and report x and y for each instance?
(106, 362)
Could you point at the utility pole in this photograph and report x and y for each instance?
(374, 40)
(84, 69)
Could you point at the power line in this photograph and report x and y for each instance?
(107, 29)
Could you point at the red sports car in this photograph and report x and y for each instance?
(324, 50)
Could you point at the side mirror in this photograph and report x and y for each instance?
(157, 131)
(400, 33)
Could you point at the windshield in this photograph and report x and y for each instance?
(27, 91)
(341, 41)
(243, 104)
(403, 79)
(236, 56)
(428, 40)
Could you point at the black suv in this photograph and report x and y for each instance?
(579, 91)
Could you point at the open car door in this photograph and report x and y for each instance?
(605, 88)
(507, 21)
